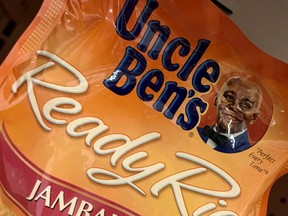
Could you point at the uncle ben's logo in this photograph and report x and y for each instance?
(154, 79)
(237, 103)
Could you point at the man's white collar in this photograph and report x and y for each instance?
(231, 137)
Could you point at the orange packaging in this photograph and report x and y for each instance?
(112, 108)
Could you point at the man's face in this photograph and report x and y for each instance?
(237, 105)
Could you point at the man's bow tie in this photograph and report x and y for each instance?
(220, 140)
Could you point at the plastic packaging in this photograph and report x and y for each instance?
(106, 107)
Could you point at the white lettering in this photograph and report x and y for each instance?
(85, 207)
(91, 133)
(101, 147)
(177, 186)
(204, 209)
(30, 91)
(53, 105)
(45, 195)
(101, 213)
(119, 151)
(34, 190)
(30, 80)
(80, 88)
(143, 172)
(62, 206)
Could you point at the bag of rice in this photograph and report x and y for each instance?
(146, 107)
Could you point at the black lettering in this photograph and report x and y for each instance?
(191, 113)
(153, 28)
(147, 81)
(202, 72)
(186, 70)
(123, 70)
(169, 51)
(125, 15)
(170, 88)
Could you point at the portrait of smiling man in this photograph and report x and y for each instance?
(237, 105)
